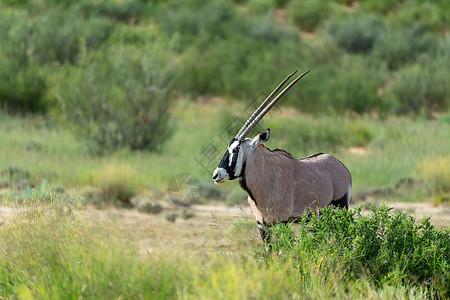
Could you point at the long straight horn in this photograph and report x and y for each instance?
(261, 107)
(269, 106)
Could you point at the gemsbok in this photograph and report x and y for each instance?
(281, 188)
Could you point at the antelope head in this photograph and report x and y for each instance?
(232, 163)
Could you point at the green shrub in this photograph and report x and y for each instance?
(266, 29)
(171, 217)
(36, 7)
(150, 208)
(61, 35)
(117, 184)
(349, 84)
(307, 135)
(391, 248)
(398, 47)
(281, 3)
(357, 34)
(421, 87)
(354, 85)
(254, 67)
(15, 177)
(431, 15)
(245, 56)
(187, 214)
(195, 17)
(383, 6)
(125, 11)
(22, 87)
(29, 43)
(261, 6)
(119, 97)
(309, 14)
(57, 35)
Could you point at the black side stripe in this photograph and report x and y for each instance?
(243, 183)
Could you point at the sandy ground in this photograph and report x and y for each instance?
(215, 227)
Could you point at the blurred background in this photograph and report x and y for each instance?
(115, 99)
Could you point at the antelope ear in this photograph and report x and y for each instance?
(260, 138)
(264, 136)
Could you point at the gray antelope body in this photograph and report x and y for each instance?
(280, 187)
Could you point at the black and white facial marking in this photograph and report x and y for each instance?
(231, 165)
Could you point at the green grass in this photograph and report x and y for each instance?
(55, 250)
(393, 148)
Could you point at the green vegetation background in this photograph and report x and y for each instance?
(149, 89)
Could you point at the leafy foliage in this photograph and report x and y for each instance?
(391, 248)
(399, 47)
(357, 34)
(309, 14)
(121, 99)
(364, 56)
(420, 87)
(58, 36)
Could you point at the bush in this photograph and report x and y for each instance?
(348, 84)
(398, 47)
(29, 43)
(57, 35)
(252, 68)
(172, 217)
(22, 86)
(187, 214)
(421, 87)
(383, 6)
(61, 35)
(119, 97)
(392, 248)
(125, 11)
(261, 6)
(354, 85)
(245, 55)
(117, 184)
(310, 13)
(307, 135)
(431, 15)
(15, 177)
(357, 34)
(266, 29)
(150, 208)
(194, 17)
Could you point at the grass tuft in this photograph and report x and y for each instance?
(436, 173)
(117, 184)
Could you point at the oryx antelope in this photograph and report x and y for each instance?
(281, 188)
